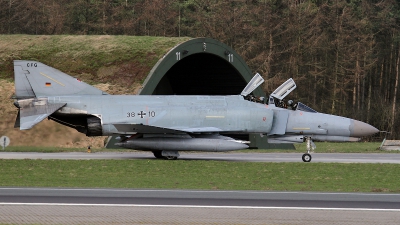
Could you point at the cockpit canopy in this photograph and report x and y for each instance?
(276, 98)
(302, 107)
(297, 106)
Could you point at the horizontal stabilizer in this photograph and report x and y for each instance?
(33, 111)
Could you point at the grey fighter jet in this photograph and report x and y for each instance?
(166, 125)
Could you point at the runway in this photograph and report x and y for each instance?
(127, 206)
(229, 156)
(200, 198)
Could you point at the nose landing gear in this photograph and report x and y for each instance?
(310, 149)
(306, 157)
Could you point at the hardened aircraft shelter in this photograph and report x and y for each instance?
(202, 66)
(199, 66)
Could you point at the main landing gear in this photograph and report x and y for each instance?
(310, 149)
(168, 155)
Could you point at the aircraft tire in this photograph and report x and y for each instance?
(170, 157)
(157, 154)
(306, 157)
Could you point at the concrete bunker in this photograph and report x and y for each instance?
(203, 66)
(200, 66)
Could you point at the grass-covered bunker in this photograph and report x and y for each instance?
(120, 65)
(200, 66)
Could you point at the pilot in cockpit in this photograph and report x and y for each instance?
(291, 105)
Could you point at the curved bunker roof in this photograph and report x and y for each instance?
(200, 66)
(204, 66)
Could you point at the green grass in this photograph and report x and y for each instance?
(322, 147)
(57, 149)
(187, 174)
(334, 147)
(83, 54)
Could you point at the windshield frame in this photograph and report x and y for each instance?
(302, 107)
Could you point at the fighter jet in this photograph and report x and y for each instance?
(166, 125)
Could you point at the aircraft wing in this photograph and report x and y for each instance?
(202, 130)
(147, 129)
(165, 134)
(144, 129)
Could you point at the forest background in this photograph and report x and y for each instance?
(343, 54)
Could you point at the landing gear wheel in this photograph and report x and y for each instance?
(306, 157)
(157, 154)
(170, 157)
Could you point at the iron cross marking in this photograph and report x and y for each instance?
(141, 114)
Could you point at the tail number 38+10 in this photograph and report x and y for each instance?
(141, 114)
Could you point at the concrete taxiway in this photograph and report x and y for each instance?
(126, 206)
(230, 156)
(123, 206)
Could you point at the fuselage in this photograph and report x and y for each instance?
(222, 113)
(326, 127)
(228, 114)
(168, 124)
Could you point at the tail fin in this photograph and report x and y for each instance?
(35, 79)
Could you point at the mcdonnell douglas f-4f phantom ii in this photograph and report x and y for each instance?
(168, 124)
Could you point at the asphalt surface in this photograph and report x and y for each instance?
(200, 198)
(127, 206)
(230, 156)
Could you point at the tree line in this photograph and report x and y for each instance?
(343, 54)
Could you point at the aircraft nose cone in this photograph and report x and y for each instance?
(361, 129)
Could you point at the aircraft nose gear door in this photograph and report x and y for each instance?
(310, 148)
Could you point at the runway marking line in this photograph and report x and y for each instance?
(202, 191)
(197, 206)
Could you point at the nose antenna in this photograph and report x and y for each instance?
(384, 139)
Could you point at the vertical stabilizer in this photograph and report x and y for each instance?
(35, 79)
(23, 89)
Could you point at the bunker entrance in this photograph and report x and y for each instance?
(201, 74)
(203, 66)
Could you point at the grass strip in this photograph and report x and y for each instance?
(83, 54)
(322, 147)
(333, 147)
(192, 174)
(59, 149)
(344, 147)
